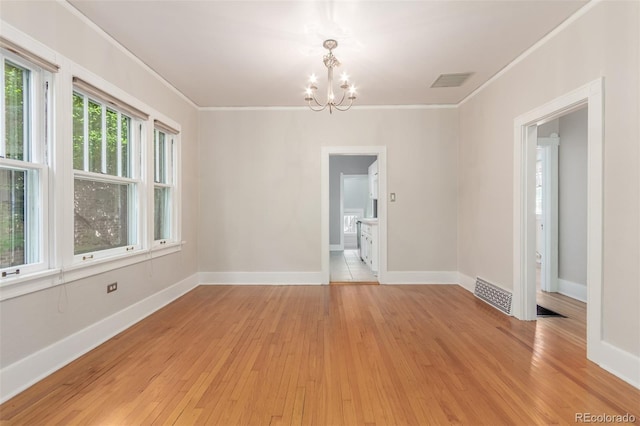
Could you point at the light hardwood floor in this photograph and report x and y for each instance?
(329, 355)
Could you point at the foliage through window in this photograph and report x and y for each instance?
(110, 151)
(105, 190)
(23, 169)
(163, 190)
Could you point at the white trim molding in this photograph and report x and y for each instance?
(421, 277)
(525, 140)
(260, 278)
(544, 40)
(107, 37)
(574, 290)
(466, 282)
(24, 373)
(621, 364)
(381, 153)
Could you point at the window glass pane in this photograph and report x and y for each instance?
(126, 145)
(160, 158)
(161, 217)
(95, 137)
(78, 132)
(12, 218)
(112, 142)
(349, 223)
(101, 215)
(16, 93)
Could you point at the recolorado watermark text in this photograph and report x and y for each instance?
(604, 418)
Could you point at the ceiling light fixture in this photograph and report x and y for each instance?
(331, 62)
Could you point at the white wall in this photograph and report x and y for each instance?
(261, 186)
(32, 322)
(602, 42)
(349, 165)
(572, 198)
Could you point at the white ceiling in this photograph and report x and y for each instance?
(260, 53)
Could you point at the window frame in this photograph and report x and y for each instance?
(135, 182)
(171, 178)
(40, 129)
(57, 171)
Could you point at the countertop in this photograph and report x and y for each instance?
(369, 220)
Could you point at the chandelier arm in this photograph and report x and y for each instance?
(345, 108)
(341, 100)
(312, 108)
(318, 103)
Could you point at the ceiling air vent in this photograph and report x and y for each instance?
(451, 80)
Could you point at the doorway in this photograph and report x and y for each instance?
(350, 204)
(333, 250)
(561, 215)
(524, 243)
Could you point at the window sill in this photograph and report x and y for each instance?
(36, 281)
(29, 283)
(165, 249)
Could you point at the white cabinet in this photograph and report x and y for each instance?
(373, 180)
(369, 245)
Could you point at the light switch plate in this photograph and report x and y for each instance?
(392, 197)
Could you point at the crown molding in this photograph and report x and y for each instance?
(127, 52)
(305, 108)
(544, 40)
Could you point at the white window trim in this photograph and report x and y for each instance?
(136, 139)
(39, 160)
(174, 150)
(62, 267)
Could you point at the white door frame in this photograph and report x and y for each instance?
(525, 137)
(381, 152)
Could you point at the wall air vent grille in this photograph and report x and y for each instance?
(451, 80)
(493, 295)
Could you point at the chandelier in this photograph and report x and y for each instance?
(348, 92)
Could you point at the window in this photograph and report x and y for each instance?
(164, 186)
(105, 149)
(106, 177)
(349, 219)
(23, 166)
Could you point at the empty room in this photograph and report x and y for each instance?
(319, 212)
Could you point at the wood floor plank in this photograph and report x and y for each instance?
(332, 355)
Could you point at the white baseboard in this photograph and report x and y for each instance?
(620, 363)
(573, 290)
(22, 374)
(420, 277)
(336, 247)
(252, 278)
(466, 282)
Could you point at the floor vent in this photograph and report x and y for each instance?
(493, 295)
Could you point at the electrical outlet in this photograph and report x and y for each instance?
(112, 287)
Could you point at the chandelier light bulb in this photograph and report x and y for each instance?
(341, 102)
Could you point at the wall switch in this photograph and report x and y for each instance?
(112, 287)
(392, 197)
